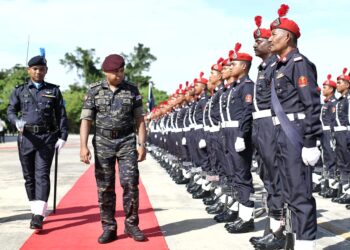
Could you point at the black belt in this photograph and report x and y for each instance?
(114, 133)
(37, 129)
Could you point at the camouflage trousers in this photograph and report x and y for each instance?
(107, 152)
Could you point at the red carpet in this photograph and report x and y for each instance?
(76, 224)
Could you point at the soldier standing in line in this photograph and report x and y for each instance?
(263, 138)
(238, 136)
(342, 138)
(115, 106)
(328, 122)
(43, 126)
(296, 103)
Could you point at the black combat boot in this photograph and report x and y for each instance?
(107, 236)
(37, 222)
(216, 209)
(344, 199)
(201, 194)
(273, 240)
(135, 233)
(227, 216)
(241, 226)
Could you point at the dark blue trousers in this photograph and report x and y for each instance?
(240, 164)
(265, 144)
(36, 153)
(296, 180)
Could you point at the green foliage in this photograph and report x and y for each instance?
(9, 78)
(84, 62)
(138, 62)
(74, 98)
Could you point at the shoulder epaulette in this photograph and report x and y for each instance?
(297, 59)
(95, 84)
(52, 85)
(130, 83)
(19, 85)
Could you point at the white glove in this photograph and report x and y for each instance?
(202, 143)
(20, 125)
(59, 144)
(239, 144)
(183, 141)
(310, 156)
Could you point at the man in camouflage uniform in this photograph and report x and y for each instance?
(115, 106)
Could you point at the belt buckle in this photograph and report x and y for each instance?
(35, 129)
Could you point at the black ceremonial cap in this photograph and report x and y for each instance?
(37, 61)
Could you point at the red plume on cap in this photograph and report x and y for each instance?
(187, 83)
(258, 20)
(180, 86)
(330, 82)
(260, 32)
(218, 65)
(238, 47)
(283, 10)
(285, 23)
(237, 56)
(344, 76)
(201, 79)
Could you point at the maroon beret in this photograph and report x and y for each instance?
(113, 62)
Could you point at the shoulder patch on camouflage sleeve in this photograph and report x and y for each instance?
(297, 59)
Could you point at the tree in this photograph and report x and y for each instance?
(9, 78)
(84, 62)
(137, 63)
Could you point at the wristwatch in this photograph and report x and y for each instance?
(141, 145)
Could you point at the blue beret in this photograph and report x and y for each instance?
(113, 62)
(37, 61)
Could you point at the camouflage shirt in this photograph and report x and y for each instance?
(112, 110)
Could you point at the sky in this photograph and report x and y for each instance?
(186, 36)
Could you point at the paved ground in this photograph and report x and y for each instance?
(183, 220)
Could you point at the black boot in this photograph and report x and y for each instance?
(219, 208)
(134, 232)
(107, 236)
(213, 200)
(324, 188)
(339, 194)
(195, 189)
(227, 216)
(330, 193)
(272, 240)
(344, 199)
(347, 206)
(37, 222)
(201, 194)
(241, 226)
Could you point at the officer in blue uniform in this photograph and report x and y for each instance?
(37, 109)
(327, 139)
(342, 138)
(263, 139)
(239, 144)
(296, 103)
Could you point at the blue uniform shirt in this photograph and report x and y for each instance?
(296, 88)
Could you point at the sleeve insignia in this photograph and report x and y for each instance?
(248, 98)
(303, 81)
